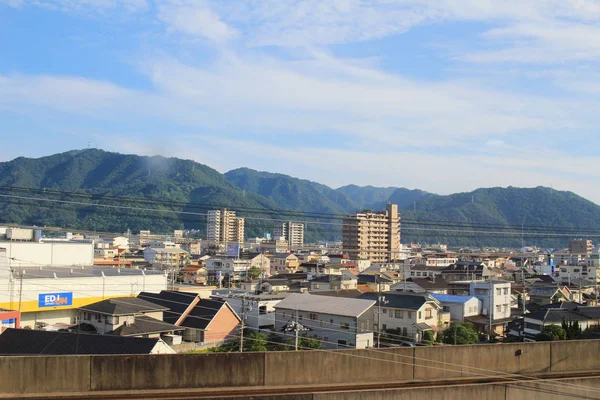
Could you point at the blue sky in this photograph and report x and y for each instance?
(441, 95)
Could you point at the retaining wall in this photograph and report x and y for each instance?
(51, 374)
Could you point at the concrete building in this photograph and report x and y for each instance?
(292, 232)
(337, 322)
(573, 273)
(47, 296)
(373, 235)
(51, 254)
(496, 299)
(223, 226)
(166, 257)
(581, 246)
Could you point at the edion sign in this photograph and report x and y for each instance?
(55, 299)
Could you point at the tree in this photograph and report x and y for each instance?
(253, 272)
(428, 337)
(306, 342)
(550, 333)
(256, 341)
(460, 333)
(572, 329)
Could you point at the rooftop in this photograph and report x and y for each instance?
(123, 306)
(342, 306)
(22, 342)
(451, 298)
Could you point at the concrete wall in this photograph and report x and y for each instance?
(176, 371)
(311, 367)
(451, 361)
(49, 374)
(97, 373)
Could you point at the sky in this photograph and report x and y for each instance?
(441, 95)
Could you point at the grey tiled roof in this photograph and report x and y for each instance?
(343, 306)
(123, 306)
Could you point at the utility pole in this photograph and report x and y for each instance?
(242, 324)
(491, 307)
(296, 331)
(21, 290)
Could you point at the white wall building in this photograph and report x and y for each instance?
(54, 254)
(52, 295)
(498, 303)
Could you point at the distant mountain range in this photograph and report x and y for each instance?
(124, 184)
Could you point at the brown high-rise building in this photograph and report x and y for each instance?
(373, 235)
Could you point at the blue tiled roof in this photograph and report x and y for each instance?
(450, 298)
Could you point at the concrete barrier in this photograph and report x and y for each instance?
(177, 371)
(45, 374)
(338, 366)
(470, 361)
(575, 355)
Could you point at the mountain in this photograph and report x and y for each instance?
(529, 213)
(368, 197)
(291, 193)
(95, 174)
(407, 198)
(131, 188)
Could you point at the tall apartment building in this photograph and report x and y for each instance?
(223, 226)
(292, 232)
(581, 246)
(373, 235)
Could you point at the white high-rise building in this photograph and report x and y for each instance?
(223, 226)
(292, 232)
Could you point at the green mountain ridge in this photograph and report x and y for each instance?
(172, 184)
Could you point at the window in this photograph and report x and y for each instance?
(313, 316)
(410, 314)
(384, 327)
(345, 325)
(384, 311)
(420, 315)
(316, 285)
(262, 310)
(399, 314)
(428, 313)
(498, 291)
(505, 291)
(498, 308)
(404, 332)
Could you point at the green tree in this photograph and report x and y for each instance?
(550, 333)
(256, 341)
(428, 337)
(306, 342)
(460, 333)
(572, 329)
(253, 272)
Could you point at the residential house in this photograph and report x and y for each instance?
(424, 271)
(284, 262)
(166, 256)
(206, 321)
(127, 317)
(459, 307)
(543, 294)
(536, 321)
(318, 269)
(260, 308)
(345, 281)
(375, 282)
(422, 285)
(465, 271)
(496, 298)
(338, 322)
(409, 314)
(29, 342)
(194, 275)
(231, 269)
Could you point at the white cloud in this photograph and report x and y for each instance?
(194, 18)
